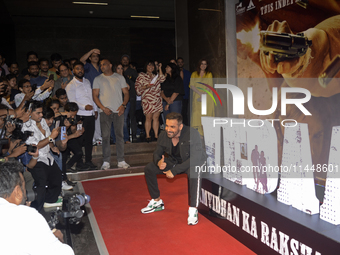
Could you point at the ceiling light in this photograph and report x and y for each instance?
(145, 17)
(212, 10)
(90, 3)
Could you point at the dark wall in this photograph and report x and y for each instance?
(7, 38)
(207, 35)
(74, 37)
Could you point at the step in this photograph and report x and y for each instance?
(131, 159)
(93, 174)
(128, 148)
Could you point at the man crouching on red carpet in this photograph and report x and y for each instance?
(175, 149)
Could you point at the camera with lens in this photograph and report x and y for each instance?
(62, 118)
(71, 210)
(23, 136)
(12, 120)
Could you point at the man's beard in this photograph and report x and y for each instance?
(79, 76)
(172, 135)
(33, 75)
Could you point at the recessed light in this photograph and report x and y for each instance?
(212, 10)
(145, 17)
(94, 3)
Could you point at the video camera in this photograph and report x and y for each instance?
(71, 210)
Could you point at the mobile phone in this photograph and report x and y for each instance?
(63, 133)
(30, 107)
(57, 123)
(79, 126)
(51, 77)
(64, 79)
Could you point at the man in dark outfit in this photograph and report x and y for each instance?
(176, 148)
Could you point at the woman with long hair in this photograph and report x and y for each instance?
(148, 85)
(172, 90)
(199, 79)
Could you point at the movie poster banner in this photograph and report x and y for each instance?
(285, 140)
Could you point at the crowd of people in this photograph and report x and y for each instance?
(49, 110)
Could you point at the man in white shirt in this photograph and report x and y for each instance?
(23, 229)
(79, 91)
(45, 172)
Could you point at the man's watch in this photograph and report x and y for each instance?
(50, 139)
(124, 106)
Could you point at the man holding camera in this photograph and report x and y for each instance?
(23, 229)
(45, 172)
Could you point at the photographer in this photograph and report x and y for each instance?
(23, 229)
(68, 119)
(60, 142)
(46, 171)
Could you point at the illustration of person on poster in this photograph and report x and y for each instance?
(297, 45)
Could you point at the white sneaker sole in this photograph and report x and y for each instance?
(192, 223)
(157, 209)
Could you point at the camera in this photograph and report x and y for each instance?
(31, 148)
(12, 120)
(71, 210)
(62, 118)
(23, 136)
(31, 194)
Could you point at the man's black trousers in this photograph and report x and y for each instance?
(151, 172)
(87, 137)
(45, 175)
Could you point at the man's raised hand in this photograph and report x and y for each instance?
(161, 164)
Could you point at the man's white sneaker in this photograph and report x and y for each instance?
(105, 166)
(153, 206)
(58, 203)
(193, 216)
(65, 186)
(123, 164)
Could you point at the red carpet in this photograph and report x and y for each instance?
(116, 204)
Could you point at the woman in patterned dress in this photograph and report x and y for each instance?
(148, 85)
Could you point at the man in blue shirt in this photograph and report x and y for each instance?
(92, 69)
(185, 75)
(35, 78)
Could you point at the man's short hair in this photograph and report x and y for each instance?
(72, 59)
(10, 177)
(48, 113)
(60, 92)
(10, 76)
(175, 116)
(125, 55)
(180, 58)
(33, 63)
(13, 63)
(77, 63)
(106, 60)
(62, 64)
(43, 60)
(71, 107)
(56, 57)
(22, 82)
(31, 53)
(35, 104)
